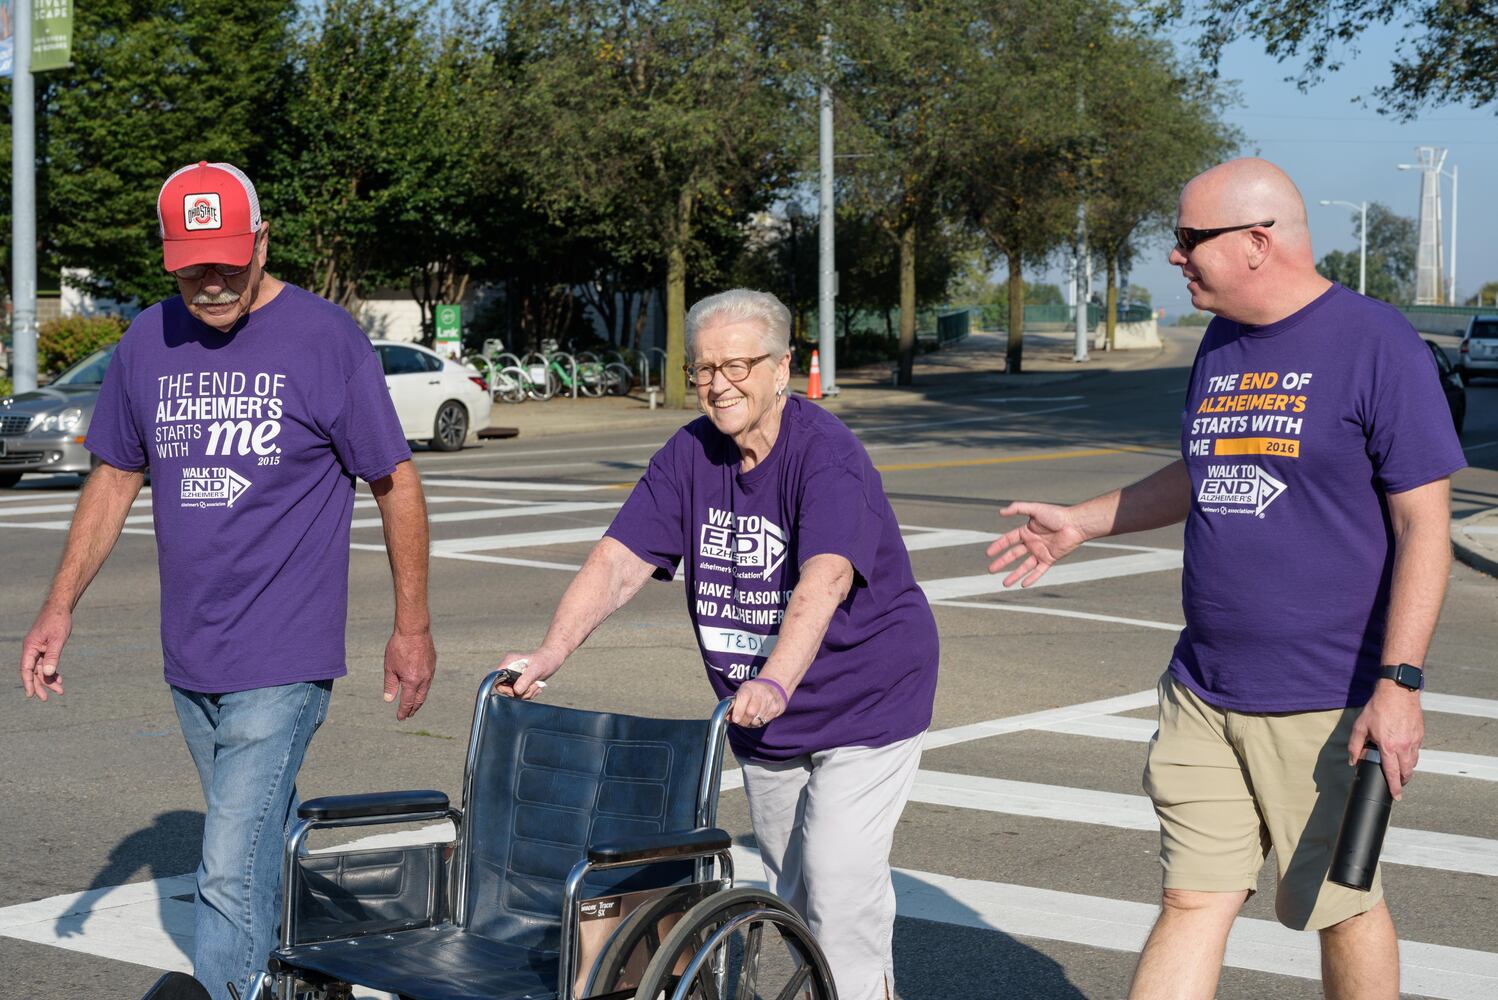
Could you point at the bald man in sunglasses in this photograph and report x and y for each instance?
(254, 405)
(1314, 483)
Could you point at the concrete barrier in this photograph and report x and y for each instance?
(1140, 336)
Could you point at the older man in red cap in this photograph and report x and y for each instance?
(254, 404)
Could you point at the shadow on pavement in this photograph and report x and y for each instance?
(169, 846)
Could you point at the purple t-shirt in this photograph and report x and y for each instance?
(745, 537)
(1294, 434)
(253, 439)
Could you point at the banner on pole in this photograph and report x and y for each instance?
(449, 339)
(51, 35)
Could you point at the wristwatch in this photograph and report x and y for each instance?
(1405, 675)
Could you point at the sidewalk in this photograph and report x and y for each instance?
(974, 365)
(1475, 540)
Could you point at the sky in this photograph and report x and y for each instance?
(1335, 149)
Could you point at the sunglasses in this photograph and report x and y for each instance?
(193, 272)
(734, 369)
(1188, 239)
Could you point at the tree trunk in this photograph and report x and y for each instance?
(1015, 349)
(1112, 308)
(676, 326)
(907, 306)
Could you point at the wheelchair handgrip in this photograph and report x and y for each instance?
(660, 847)
(335, 807)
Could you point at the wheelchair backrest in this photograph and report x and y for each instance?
(543, 783)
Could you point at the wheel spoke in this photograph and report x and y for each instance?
(803, 973)
(750, 968)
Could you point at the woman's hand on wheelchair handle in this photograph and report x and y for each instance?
(755, 705)
(534, 666)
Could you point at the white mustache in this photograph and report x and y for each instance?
(222, 298)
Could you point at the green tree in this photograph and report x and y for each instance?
(1025, 148)
(355, 99)
(1157, 126)
(152, 87)
(1449, 54)
(650, 124)
(1486, 295)
(1391, 256)
(898, 74)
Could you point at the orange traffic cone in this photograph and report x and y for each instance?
(814, 380)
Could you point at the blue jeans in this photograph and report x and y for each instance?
(248, 747)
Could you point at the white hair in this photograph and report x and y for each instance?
(742, 305)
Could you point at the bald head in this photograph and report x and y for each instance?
(1250, 190)
(1257, 273)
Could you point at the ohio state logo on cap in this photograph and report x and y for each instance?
(201, 211)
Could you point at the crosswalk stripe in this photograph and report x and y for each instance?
(1455, 704)
(516, 484)
(950, 588)
(1034, 720)
(940, 538)
(1135, 730)
(1033, 609)
(476, 557)
(533, 510)
(519, 540)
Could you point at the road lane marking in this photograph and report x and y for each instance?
(964, 463)
(913, 425)
(1158, 560)
(1136, 730)
(1029, 399)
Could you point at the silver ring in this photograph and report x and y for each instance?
(759, 719)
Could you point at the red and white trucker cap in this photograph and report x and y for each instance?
(209, 214)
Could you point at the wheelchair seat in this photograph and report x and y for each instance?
(432, 963)
(542, 786)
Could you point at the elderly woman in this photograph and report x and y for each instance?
(806, 612)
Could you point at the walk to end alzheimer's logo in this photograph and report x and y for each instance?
(1238, 489)
(212, 486)
(755, 545)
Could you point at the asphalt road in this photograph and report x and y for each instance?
(1028, 857)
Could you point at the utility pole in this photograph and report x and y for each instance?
(23, 203)
(826, 266)
(1451, 265)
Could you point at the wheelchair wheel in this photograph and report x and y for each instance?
(743, 943)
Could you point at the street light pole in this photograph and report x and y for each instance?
(826, 267)
(1451, 299)
(23, 200)
(1362, 208)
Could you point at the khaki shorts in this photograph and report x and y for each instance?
(1229, 785)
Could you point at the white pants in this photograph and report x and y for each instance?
(825, 822)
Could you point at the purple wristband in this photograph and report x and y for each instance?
(765, 680)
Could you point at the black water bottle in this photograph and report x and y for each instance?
(1363, 825)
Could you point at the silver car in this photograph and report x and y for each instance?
(43, 431)
(1478, 354)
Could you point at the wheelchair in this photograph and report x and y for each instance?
(586, 866)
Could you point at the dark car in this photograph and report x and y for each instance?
(42, 431)
(1451, 381)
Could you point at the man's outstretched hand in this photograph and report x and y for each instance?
(1048, 535)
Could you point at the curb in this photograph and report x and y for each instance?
(1469, 552)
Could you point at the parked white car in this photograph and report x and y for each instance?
(438, 401)
(1478, 353)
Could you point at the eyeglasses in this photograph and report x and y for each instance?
(734, 369)
(1188, 239)
(193, 272)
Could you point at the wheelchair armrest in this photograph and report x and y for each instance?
(336, 807)
(660, 847)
